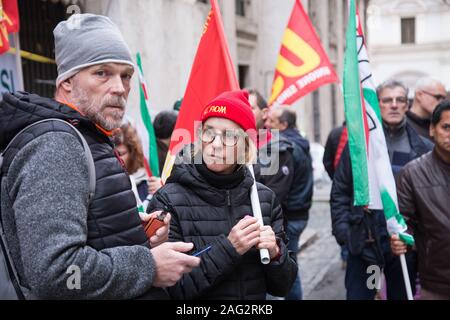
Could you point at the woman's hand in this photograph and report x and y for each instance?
(245, 234)
(162, 234)
(154, 184)
(267, 240)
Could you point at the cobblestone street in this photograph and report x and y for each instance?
(321, 269)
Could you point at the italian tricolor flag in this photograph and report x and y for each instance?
(373, 180)
(145, 127)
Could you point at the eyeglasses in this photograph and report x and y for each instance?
(228, 138)
(389, 100)
(438, 96)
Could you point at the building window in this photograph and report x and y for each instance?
(408, 30)
(243, 76)
(240, 7)
(36, 36)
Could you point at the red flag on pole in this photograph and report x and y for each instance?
(303, 65)
(212, 73)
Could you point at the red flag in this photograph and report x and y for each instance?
(303, 65)
(4, 41)
(212, 73)
(11, 15)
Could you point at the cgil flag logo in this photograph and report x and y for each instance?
(302, 65)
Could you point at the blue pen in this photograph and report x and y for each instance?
(196, 254)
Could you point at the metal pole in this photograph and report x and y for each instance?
(18, 62)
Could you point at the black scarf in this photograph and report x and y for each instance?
(222, 181)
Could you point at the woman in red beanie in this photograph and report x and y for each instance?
(209, 201)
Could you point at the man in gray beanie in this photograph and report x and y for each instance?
(65, 242)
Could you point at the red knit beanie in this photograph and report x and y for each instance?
(234, 106)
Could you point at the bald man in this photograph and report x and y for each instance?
(428, 94)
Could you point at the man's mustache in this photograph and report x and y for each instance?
(114, 101)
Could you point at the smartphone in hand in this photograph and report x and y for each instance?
(154, 224)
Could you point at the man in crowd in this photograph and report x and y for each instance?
(428, 93)
(403, 142)
(364, 231)
(275, 161)
(164, 124)
(336, 142)
(423, 191)
(51, 224)
(300, 193)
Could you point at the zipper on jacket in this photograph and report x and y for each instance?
(229, 212)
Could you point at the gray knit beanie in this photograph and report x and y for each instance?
(85, 40)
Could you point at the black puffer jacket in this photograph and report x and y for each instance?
(204, 215)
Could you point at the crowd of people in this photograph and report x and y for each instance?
(418, 141)
(70, 189)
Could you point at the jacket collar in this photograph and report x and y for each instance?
(423, 122)
(418, 144)
(444, 165)
(188, 176)
(398, 130)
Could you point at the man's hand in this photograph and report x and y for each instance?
(154, 184)
(245, 234)
(162, 234)
(171, 263)
(398, 247)
(267, 240)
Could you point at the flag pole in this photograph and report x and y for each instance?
(406, 277)
(256, 207)
(18, 61)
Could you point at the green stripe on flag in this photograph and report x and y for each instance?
(146, 119)
(354, 115)
(391, 212)
(390, 209)
(406, 238)
(371, 97)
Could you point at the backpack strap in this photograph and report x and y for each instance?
(8, 269)
(87, 150)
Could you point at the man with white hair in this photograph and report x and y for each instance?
(299, 198)
(428, 94)
(53, 226)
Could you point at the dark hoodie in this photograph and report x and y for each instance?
(300, 196)
(204, 209)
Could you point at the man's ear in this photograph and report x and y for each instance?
(432, 130)
(67, 85)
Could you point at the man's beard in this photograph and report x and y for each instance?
(95, 109)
